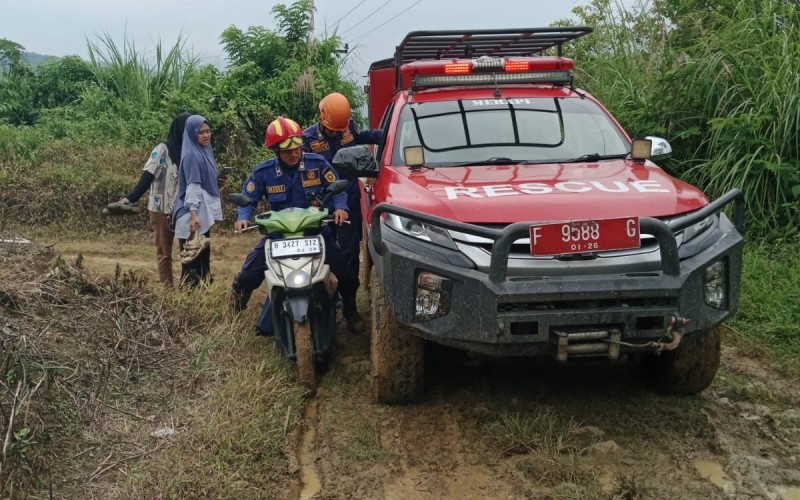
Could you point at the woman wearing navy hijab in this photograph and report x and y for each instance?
(198, 203)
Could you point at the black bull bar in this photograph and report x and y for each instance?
(504, 238)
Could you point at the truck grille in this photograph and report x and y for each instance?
(599, 304)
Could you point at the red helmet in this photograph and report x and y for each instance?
(283, 133)
(334, 112)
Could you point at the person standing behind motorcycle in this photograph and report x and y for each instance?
(198, 203)
(334, 131)
(160, 176)
(290, 180)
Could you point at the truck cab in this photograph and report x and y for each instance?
(512, 215)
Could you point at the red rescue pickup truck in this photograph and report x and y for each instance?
(511, 215)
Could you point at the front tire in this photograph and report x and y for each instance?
(304, 352)
(397, 356)
(692, 366)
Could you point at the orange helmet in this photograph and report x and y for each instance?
(334, 112)
(283, 133)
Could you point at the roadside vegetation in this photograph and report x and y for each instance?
(719, 80)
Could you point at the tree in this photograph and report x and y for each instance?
(282, 70)
(60, 82)
(15, 85)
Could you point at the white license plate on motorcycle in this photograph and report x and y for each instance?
(294, 246)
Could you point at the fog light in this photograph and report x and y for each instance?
(714, 285)
(432, 297)
(298, 279)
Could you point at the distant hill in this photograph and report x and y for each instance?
(37, 59)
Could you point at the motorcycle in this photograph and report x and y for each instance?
(300, 285)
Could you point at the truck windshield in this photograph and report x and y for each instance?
(520, 130)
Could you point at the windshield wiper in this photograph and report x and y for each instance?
(494, 160)
(593, 157)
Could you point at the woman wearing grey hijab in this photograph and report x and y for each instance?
(198, 205)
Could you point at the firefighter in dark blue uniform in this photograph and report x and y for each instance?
(287, 181)
(334, 131)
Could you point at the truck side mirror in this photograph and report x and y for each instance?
(650, 148)
(355, 161)
(660, 149)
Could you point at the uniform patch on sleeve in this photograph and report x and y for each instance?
(251, 186)
(319, 146)
(280, 188)
(329, 175)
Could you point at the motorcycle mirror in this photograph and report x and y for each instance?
(240, 200)
(337, 187)
(356, 161)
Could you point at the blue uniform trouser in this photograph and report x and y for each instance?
(349, 235)
(252, 275)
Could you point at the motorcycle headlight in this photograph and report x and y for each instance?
(695, 229)
(421, 230)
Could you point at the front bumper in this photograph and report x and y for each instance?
(491, 313)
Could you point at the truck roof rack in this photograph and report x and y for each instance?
(470, 44)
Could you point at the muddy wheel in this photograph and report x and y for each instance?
(304, 349)
(691, 367)
(397, 356)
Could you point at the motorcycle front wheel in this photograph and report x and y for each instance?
(304, 350)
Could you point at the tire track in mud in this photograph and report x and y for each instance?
(310, 483)
(635, 442)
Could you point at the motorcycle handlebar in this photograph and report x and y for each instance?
(256, 226)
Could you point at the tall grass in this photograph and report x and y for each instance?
(136, 77)
(621, 62)
(719, 82)
(748, 73)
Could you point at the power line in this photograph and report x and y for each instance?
(387, 22)
(370, 15)
(336, 23)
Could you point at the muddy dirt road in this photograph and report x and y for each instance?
(505, 430)
(510, 430)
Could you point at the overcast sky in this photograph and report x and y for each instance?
(372, 28)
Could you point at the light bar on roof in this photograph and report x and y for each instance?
(558, 77)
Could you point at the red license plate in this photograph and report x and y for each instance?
(561, 238)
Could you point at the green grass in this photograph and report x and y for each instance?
(738, 387)
(543, 430)
(769, 316)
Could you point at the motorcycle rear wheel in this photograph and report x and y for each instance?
(304, 350)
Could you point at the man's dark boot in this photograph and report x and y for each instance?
(355, 323)
(237, 301)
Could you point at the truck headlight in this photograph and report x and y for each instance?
(695, 229)
(420, 230)
(714, 284)
(432, 296)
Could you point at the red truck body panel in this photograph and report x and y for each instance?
(380, 90)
